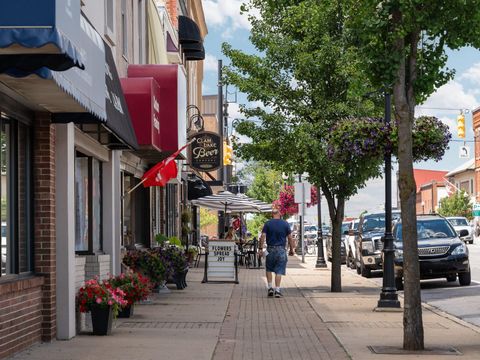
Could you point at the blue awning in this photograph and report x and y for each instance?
(39, 34)
(84, 87)
(20, 58)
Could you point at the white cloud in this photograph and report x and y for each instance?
(210, 63)
(472, 74)
(452, 95)
(225, 13)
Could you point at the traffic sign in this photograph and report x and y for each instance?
(476, 209)
(464, 152)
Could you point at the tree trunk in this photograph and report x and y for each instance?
(336, 216)
(404, 112)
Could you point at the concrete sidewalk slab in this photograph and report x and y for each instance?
(227, 321)
(351, 318)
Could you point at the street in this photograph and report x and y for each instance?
(460, 301)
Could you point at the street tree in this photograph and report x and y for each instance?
(458, 204)
(403, 45)
(306, 74)
(264, 183)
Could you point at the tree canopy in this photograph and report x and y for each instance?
(458, 204)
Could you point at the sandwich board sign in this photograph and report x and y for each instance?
(221, 262)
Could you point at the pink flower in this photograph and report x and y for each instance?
(99, 300)
(110, 302)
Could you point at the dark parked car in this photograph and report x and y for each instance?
(369, 244)
(440, 251)
(328, 244)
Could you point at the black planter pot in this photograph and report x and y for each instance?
(126, 312)
(102, 318)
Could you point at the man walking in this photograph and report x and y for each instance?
(276, 232)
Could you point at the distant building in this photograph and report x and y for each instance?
(430, 189)
(463, 178)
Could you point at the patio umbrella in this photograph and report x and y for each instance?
(226, 201)
(262, 206)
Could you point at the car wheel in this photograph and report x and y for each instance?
(452, 278)
(399, 283)
(366, 272)
(465, 278)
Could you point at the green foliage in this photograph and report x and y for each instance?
(308, 76)
(458, 204)
(173, 240)
(161, 239)
(255, 224)
(264, 182)
(207, 218)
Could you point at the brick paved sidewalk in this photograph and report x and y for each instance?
(258, 327)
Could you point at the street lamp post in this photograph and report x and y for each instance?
(388, 296)
(320, 256)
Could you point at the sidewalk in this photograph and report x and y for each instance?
(226, 321)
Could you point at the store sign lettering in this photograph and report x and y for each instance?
(206, 151)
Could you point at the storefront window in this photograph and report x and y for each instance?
(171, 210)
(15, 196)
(88, 204)
(136, 210)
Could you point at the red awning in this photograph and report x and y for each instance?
(143, 101)
(172, 101)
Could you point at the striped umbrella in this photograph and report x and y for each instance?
(226, 201)
(262, 206)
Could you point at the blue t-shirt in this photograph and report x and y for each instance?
(276, 231)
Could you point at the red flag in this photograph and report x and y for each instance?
(160, 174)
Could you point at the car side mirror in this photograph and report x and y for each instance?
(463, 233)
(346, 232)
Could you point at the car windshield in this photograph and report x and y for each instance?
(374, 223)
(4, 231)
(310, 228)
(345, 227)
(458, 222)
(429, 229)
(355, 225)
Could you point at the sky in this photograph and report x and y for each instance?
(226, 24)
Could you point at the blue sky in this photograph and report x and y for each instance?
(225, 24)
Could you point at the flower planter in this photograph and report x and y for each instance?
(102, 317)
(180, 279)
(126, 312)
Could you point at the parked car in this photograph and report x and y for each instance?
(310, 233)
(461, 223)
(440, 251)
(328, 244)
(350, 248)
(369, 244)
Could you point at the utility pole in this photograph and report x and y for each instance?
(320, 256)
(388, 296)
(300, 199)
(221, 172)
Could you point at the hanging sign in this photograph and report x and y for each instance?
(221, 262)
(206, 151)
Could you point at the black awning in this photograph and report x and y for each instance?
(194, 51)
(197, 187)
(188, 31)
(118, 123)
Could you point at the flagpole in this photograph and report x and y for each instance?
(136, 186)
(145, 179)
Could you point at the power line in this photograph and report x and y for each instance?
(444, 109)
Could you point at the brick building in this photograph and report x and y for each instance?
(69, 151)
